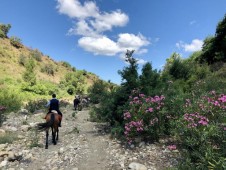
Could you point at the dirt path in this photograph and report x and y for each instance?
(82, 145)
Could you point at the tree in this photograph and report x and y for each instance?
(149, 80)
(4, 29)
(129, 74)
(214, 48)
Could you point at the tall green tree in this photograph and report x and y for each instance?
(149, 80)
(129, 74)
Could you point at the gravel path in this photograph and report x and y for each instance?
(82, 145)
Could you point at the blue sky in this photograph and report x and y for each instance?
(94, 35)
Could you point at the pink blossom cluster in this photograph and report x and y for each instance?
(222, 98)
(217, 101)
(150, 109)
(172, 147)
(133, 127)
(127, 115)
(195, 119)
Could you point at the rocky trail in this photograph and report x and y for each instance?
(82, 145)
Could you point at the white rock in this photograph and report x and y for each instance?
(137, 166)
(3, 163)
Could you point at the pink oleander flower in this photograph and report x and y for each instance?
(141, 95)
(127, 115)
(150, 109)
(172, 147)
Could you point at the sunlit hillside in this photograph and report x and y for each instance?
(15, 60)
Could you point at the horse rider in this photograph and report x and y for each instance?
(76, 101)
(54, 105)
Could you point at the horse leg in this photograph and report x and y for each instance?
(57, 131)
(54, 136)
(47, 135)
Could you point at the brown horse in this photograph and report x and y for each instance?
(52, 120)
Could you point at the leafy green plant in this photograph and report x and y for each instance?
(10, 99)
(49, 69)
(36, 54)
(22, 60)
(16, 42)
(32, 105)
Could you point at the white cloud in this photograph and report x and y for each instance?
(195, 45)
(99, 46)
(131, 41)
(74, 9)
(106, 21)
(105, 46)
(91, 24)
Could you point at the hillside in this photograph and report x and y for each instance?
(10, 66)
(13, 65)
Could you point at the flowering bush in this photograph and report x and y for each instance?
(201, 129)
(143, 117)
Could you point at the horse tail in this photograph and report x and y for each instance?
(48, 124)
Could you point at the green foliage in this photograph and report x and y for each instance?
(66, 64)
(22, 60)
(70, 90)
(16, 42)
(129, 74)
(214, 47)
(29, 75)
(201, 131)
(36, 54)
(10, 99)
(97, 91)
(48, 69)
(34, 105)
(149, 80)
(74, 81)
(4, 29)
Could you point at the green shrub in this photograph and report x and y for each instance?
(22, 60)
(32, 106)
(49, 69)
(16, 42)
(10, 99)
(37, 55)
(66, 64)
(4, 29)
(201, 129)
